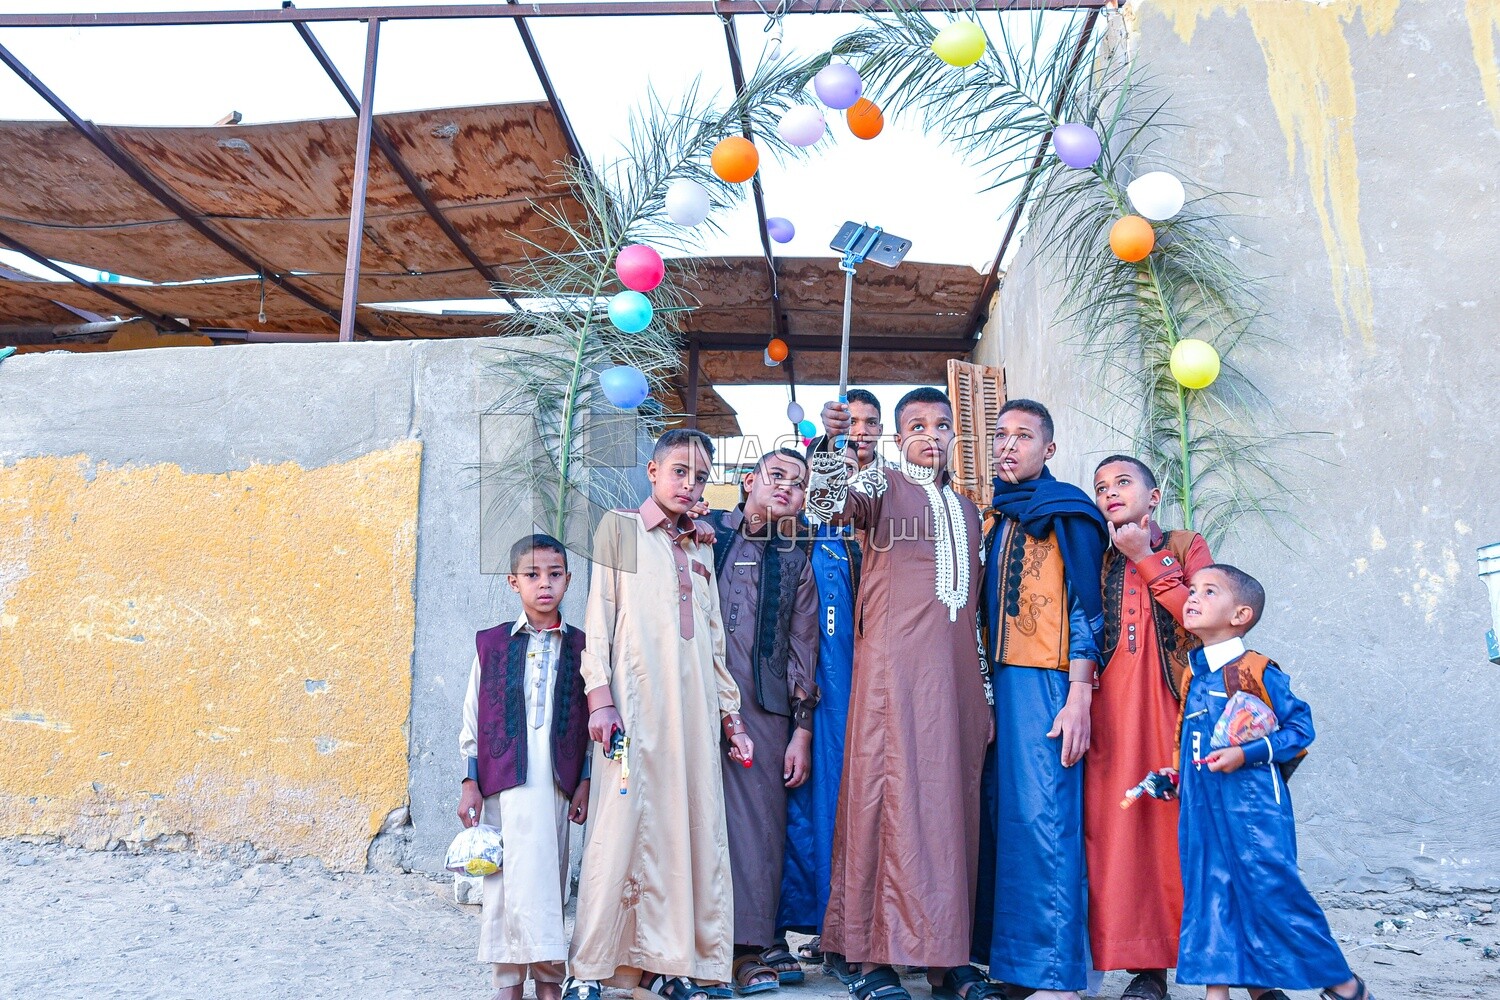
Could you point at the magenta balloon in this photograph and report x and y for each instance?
(838, 85)
(779, 229)
(1076, 144)
(640, 268)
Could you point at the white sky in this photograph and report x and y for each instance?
(905, 180)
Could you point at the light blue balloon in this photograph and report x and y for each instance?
(807, 428)
(630, 311)
(624, 386)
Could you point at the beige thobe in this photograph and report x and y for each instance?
(521, 919)
(654, 893)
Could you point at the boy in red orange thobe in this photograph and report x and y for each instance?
(1135, 885)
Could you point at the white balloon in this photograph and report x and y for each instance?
(687, 202)
(770, 361)
(794, 412)
(802, 125)
(1158, 195)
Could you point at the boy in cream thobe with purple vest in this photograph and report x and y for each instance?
(525, 740)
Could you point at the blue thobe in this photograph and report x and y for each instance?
(1247, 919)
(810, 809)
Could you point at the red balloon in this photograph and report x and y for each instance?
(640, 268)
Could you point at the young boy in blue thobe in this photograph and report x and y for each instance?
(1248, 920)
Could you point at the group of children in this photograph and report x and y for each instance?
(854, 706)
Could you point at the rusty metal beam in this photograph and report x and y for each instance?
(979, 310)
(756, 342)
(599, 8)
(388, 150)
(540, 68)
(737, 70)
(690, 404)
(355, 248)
(148, 182)
(101, 290)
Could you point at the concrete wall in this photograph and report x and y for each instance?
(303, 656)
(1367, 135)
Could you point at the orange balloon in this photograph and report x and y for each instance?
(735, 159)
(1132, 239)
(865, 119)
(777, 349)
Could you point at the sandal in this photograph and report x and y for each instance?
(1361, 993)
(747, 969)
(717, 991)
(666, 988)
(1153, 986)
(835, 966)
(879, 983)
(812, 951)
(580, 989)
(1273, 995)
(785, 964)
(964, 982)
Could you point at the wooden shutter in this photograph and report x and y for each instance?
(978, 392)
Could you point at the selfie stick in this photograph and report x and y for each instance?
(859, 248)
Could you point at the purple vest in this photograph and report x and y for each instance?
(502, 710)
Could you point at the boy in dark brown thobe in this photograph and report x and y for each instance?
(768, 601)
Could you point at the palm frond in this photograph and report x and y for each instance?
(1221, 452)
(547, 358)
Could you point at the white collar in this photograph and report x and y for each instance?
(1224, 652)
(523, 624)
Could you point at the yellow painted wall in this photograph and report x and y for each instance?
(225, 656)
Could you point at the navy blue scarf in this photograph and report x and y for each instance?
(1043, 504)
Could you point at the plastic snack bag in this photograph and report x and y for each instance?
(1246, 719)
(475, 851)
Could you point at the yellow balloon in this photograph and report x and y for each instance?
(1195, 364)
(960, 43)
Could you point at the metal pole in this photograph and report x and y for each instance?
(691, 403)
(361, 184)
(98, 289)
(844, 339)
(596, 8)
(413, 183)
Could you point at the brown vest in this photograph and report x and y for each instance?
(1032, 626)
(1245, 672)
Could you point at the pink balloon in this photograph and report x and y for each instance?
(640, 268)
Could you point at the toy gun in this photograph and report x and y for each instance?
(1156, 784)
(619, 749)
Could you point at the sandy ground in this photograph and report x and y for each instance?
(75, 924)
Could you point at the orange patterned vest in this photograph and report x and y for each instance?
(1033, 613)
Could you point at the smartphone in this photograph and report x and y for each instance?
(883, 248)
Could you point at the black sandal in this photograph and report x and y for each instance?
(1273, 995)
(787, 968)
(580, 989)
(1362, 993)
(879, 983)
(1152, 986)
(835, 966)
(668, 988)
(964, 982)
(812, 951)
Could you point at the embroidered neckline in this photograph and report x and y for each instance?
(951, 548)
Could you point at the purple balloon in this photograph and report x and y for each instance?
(1076, 144)
(838, 85)
(779, 229)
